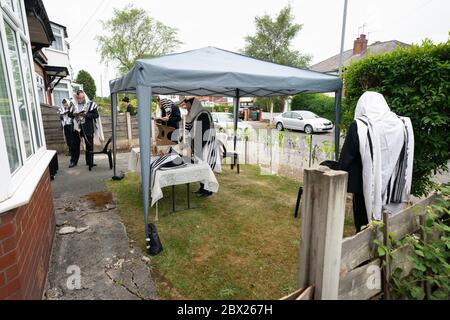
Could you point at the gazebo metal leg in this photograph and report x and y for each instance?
(173, 199)
(189, 195)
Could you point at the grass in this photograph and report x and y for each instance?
(242, 243)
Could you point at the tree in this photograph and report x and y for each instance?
(273, 38)
(88, 83)
(133, 35)
(272, 43)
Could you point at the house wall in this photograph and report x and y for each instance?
(57, 58)
(26, 238)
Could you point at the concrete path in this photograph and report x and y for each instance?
(79, 180)
(92, 255)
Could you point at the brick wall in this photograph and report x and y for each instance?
(26, 238)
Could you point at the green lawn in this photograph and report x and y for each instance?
(242, 243)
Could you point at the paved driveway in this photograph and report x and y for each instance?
(92, 256)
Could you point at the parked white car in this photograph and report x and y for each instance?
(224, 122)
(306, 121)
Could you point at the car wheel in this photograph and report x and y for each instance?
(280, 126)
(309, 129)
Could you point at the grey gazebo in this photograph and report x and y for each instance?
(211, 72)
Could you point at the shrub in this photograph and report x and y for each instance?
(320, 104)
(415, 82)
(88, 83)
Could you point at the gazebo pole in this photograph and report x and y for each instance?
(114, 131)
(236, 117)
(144, 96)
(337, 130)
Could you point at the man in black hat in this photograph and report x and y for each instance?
(129, 106)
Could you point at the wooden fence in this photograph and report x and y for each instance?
(127, 130)
(346, 269)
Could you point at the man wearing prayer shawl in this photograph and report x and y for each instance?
(378, 154)
(200, 125)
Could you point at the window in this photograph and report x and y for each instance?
(41, 89)
(60, 92)
(8, 121)
(21, 132)
(58, 44)
(31, 93)
(287, 115)
(20, 90)
(16, 12)
(9, 3)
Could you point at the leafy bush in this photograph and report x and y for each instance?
(265, 103)
(320, 104)
(429, 256)
(416, 83)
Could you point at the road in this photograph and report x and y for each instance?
(318, 138)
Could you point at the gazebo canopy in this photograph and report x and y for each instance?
(210, 72)
(215, 72)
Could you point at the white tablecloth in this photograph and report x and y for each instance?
(191, 173)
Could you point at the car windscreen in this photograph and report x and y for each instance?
(307, 115)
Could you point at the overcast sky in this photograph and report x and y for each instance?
(225, 23)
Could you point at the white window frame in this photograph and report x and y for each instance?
(69, 91)
(59, 33)
(19, 177)
(40, 83)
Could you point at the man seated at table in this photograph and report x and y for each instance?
(170, 113)
(200, 125)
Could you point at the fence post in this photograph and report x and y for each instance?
(129, 132)
(323, 215)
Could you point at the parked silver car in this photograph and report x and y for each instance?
(306, 121)
(224, 122)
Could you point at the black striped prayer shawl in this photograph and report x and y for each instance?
(387, 153)
(210, 152)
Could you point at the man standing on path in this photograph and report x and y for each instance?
(85, 115)
(69, 133)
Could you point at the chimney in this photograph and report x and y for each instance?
(360, 45)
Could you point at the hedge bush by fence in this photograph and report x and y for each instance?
(416, 83)
(320, 104)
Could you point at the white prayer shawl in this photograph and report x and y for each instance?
(387, 154)
(63, 112)
(211, 152)
(89, 106)
(99, 137)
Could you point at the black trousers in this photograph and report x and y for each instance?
(359, 211)
(89, 143)
(70, 135)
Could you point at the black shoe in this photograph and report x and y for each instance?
(199, 191)
(72, 165)
(204, 194)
